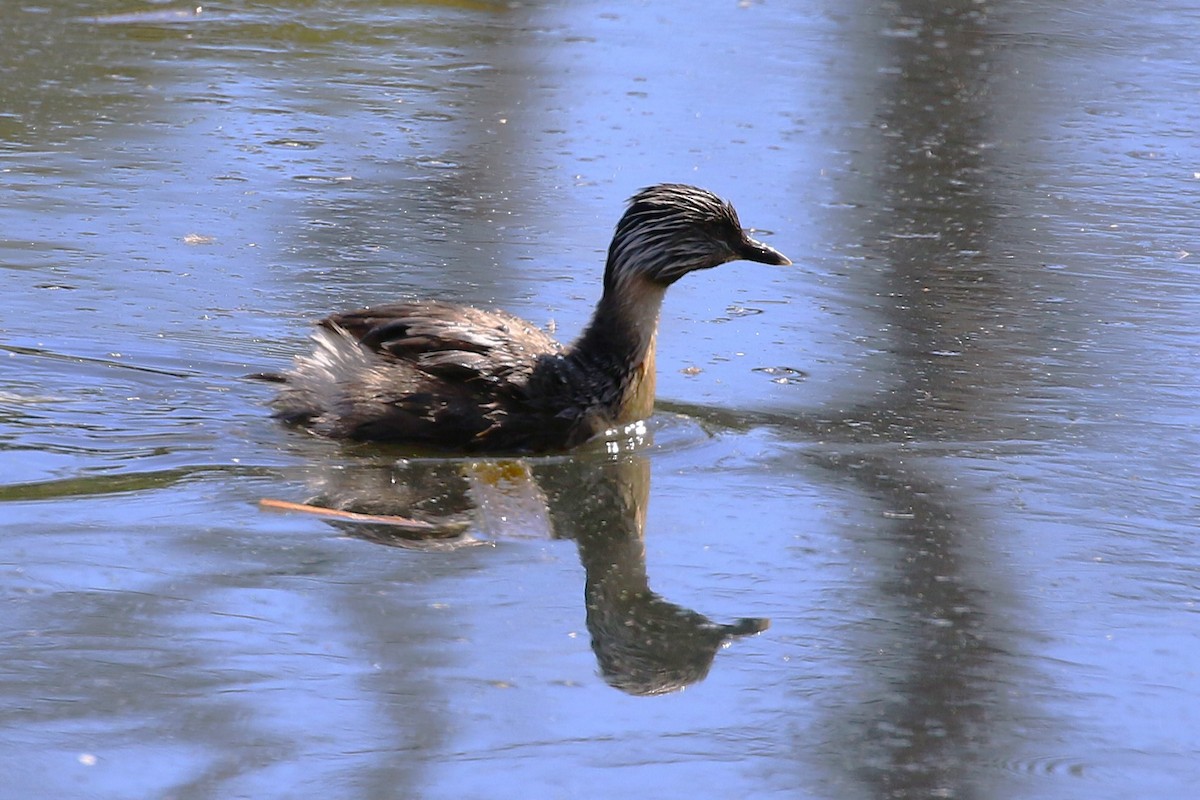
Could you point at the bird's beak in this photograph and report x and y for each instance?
(754, 250)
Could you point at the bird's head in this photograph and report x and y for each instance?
(672, 229)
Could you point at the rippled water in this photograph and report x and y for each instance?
(950, 459)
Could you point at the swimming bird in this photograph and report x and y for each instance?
(458, 378)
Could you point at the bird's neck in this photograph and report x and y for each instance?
(617, 347)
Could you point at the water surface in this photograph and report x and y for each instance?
(950, 458)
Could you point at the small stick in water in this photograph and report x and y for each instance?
(354, 516)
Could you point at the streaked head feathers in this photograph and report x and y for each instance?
(672, 229)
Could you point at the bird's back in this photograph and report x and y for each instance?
(444, 375)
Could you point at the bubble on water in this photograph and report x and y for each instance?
(783, 375)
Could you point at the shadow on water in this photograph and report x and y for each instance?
(644, 644)
(934, 665)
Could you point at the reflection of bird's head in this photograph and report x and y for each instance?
(672, 229)
(647, 645)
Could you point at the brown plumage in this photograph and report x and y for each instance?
(459, 378)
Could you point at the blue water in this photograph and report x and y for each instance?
(950, 457)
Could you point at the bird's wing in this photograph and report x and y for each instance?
(451, 342)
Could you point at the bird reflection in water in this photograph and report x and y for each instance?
(644, 644)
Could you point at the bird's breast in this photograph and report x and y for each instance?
(638, 396)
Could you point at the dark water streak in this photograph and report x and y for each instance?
(928, 737)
